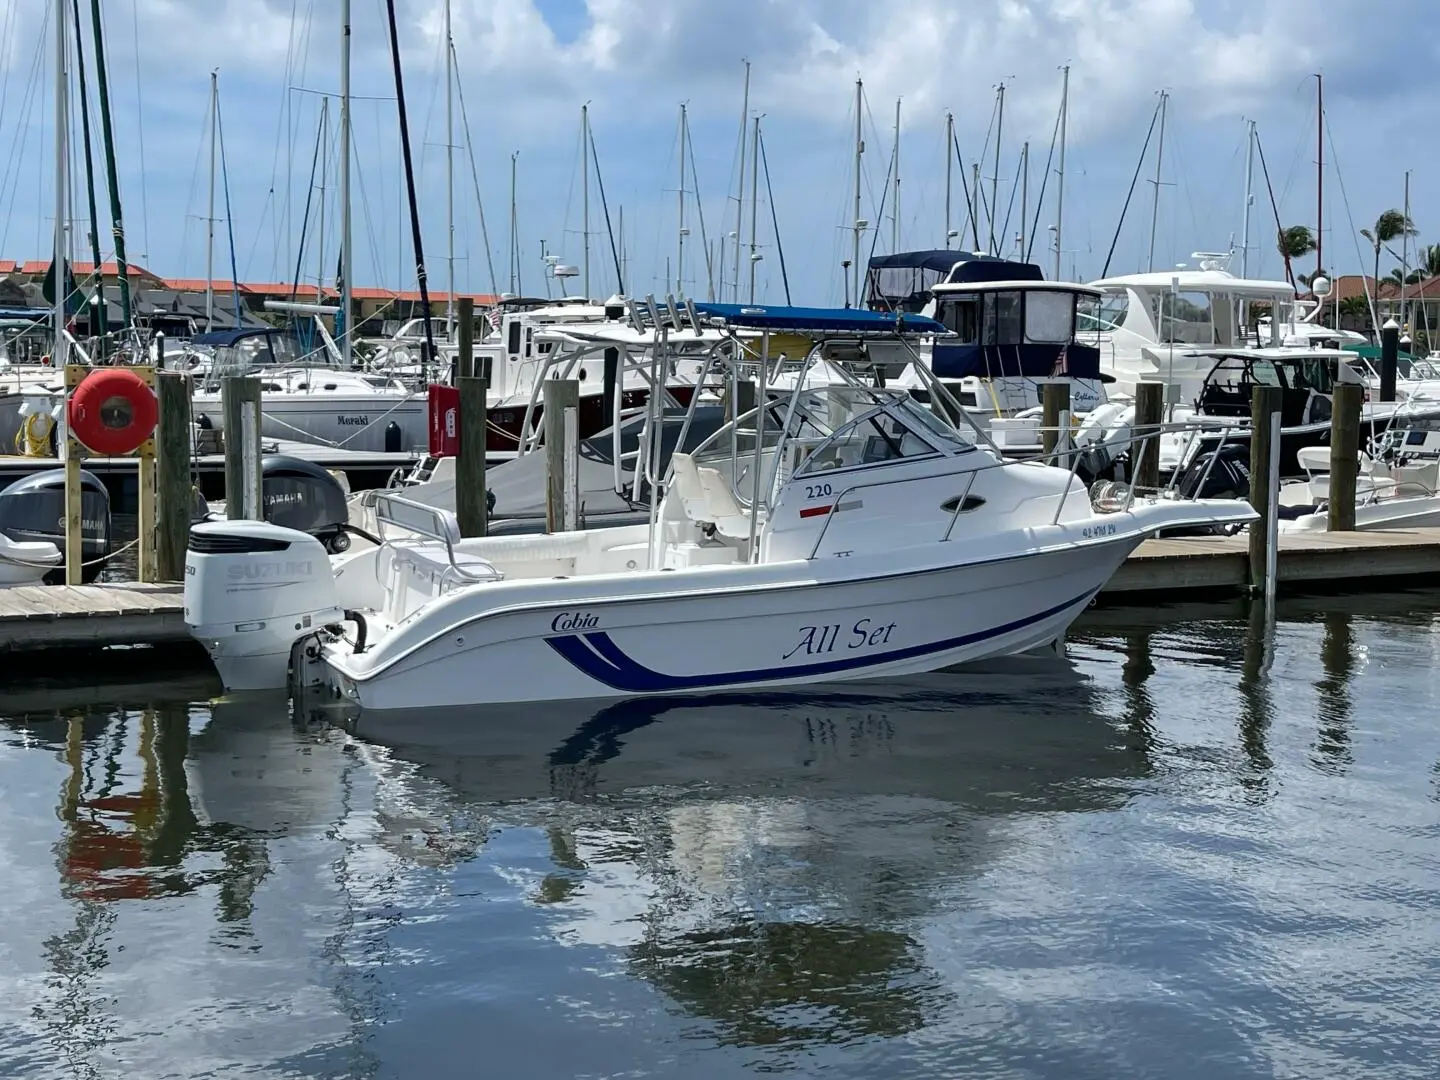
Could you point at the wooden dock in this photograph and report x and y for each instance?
(36, 618)
(40, 617)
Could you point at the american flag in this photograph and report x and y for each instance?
(1062, 365)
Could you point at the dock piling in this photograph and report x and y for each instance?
(471, 499)
(1055, 399)
(1344, 455)
(1149, 409)
(1264, 464)
(1389, 359)
(562, 450)
(175, 492)
(240, 401)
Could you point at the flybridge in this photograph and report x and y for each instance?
(903, 282)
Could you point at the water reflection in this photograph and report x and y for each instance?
(1337, 659)
(769, 876)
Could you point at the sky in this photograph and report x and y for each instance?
(526, 67)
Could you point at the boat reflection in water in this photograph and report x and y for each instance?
(784, 872)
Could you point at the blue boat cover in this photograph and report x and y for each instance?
(819, 320)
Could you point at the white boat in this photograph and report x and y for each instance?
(26, 562)
(1388, 495)
(847, 533)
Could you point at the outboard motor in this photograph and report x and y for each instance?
(1227, 478)
(299, 494)
(251, 590)
(32, 510)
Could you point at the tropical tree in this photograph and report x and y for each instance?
(1294, 242)
(1389, 227)
(1355, 308)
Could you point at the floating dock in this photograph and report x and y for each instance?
(53, 617)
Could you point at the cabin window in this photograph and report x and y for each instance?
(987, 322)
(1048, 316)
(529, 340)
(1186, 318)
(963, 318)
(1009, 309)
(513, 338)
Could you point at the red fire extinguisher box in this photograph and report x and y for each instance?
(444, 420)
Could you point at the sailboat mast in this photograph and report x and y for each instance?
(754, 203)
(585, 192)
(449, 178)
(949, 171)
(895, 210)
(1060, 192)
(995, 180)
(417, 241)
(975, 203)
(680, 232)
(1249, 198)
(57, 267)
(117, 222)
(320, 217)
(1320, 174)
(346, 338)
(740, 183)
(97, 307)
(210, 215)
(1024, 192)
(1404, 252)
(857, 227)
(1159, 157)
(514, 231)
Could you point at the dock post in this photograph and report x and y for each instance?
(1149, 409)
(562, 454)
(175, 492)
(73, 453)
(471, 508)
(1055, 399)
(465, 338)
(147, 526)
(240, 401)
(1344, 455)
(1264, 459)
(1389, 359)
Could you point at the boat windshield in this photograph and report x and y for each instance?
(877, 428)
(1101, 313)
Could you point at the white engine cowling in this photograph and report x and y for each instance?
(251, 590)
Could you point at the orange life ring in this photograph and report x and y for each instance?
(112, 412)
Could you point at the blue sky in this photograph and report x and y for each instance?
(526, 66)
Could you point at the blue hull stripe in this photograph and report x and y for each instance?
(599, 657)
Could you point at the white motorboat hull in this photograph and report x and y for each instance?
(778, 630)
(350, 423)
(1419, 512)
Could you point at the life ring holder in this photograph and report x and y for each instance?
(111, 412)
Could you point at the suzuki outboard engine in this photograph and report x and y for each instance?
(251, 590)
(299, 494)
(32, 510)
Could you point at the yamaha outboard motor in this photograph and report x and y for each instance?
(33, 509)
(298, 494)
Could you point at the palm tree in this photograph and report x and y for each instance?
(1427, 261)
(1354, 308)
(1389, 226)
(1294, 242)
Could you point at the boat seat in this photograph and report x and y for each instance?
(30, 551)
(706, 498)
(433, 560)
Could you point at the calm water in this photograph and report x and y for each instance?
(1199, 847)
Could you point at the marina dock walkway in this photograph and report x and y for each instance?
(87, 616)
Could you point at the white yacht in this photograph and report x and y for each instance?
(844, 533)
